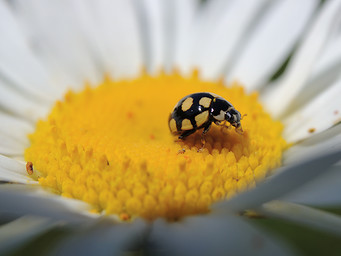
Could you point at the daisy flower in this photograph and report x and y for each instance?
(88, 163)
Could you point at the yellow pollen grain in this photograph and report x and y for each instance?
(111, 147)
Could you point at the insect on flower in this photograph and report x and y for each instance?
(199, 110)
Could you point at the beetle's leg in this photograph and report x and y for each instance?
(223, 125)
(203, 141)
(206, 128)
(182, 137)
(186, 133)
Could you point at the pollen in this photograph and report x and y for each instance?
(111, 146)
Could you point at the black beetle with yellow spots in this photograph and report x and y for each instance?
(199, 110)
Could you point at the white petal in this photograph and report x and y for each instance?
(9, 146)
(20, 105)
(14, 171)
(330, 58)
(152, 21)
(320, 114)
(286, 180)
(18, 65)
(15, 127)
(23, 200)
(10, 177)
(212, 235)
(112, 30)
(297, 73)
(324, 191)
(304, 215)
(325, 72)
(271, 42)
(22, 231)
(54, 31)
(12, 165)
(202, 19)
(168, 33)
(206, 19)
(105, 238)
(183, 18)
(314, 145)
(217, 43)
(177, 18)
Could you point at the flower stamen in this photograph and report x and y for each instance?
(110, 146)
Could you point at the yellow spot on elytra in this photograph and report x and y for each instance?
(201, 118)
(205, 102)
(172, 125)
(186, 125)
(186, 105)
(120, 157)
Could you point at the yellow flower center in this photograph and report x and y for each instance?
(111, 147)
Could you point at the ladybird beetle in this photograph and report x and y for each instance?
(199, 110)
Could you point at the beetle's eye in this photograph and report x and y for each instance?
(227, 116)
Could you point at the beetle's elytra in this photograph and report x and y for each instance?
(199, 110)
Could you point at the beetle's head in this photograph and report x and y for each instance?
(234, 117)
